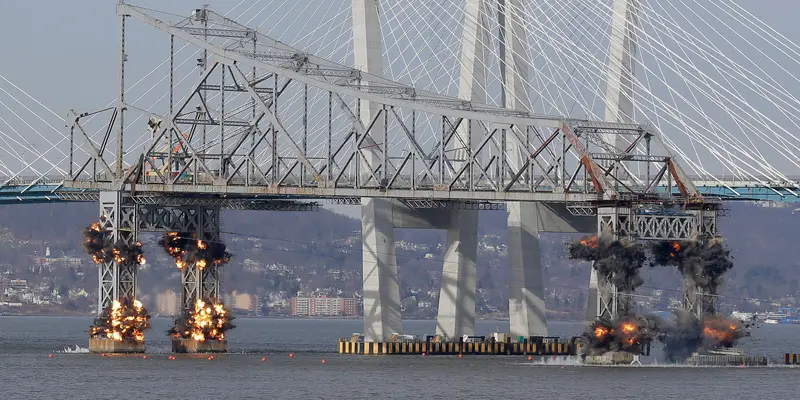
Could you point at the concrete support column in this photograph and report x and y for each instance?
(381, 287)
(593, 306)
(459, 277)
(526, 306)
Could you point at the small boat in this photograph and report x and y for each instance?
(772, 321)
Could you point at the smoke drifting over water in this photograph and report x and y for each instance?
(186, 249)
(98, 245)
(620, 260)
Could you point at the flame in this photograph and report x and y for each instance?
(722, 333)
(122, 322)
(101, 249)
(600, 332)
(676, 248)
(208, 321)
(628, 328)
(187, 251)
(590, 241)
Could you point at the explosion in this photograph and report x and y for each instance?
(186, 249)
(618, 260)
(630, 334)
(704, 261)
(208, 321)
(122, 321)
(686, 334)
(99, 246)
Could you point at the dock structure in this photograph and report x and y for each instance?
(534, 346)
(791, 359)
(722, 360)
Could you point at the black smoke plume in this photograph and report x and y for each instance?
(186, 249)
(704, 261)
(685, 334)
(98, 244)
(682, 335)
(619, 260)
(630, 334)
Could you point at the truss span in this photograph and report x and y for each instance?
(264, 118)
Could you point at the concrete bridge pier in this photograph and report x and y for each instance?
(526, 304)
(456, 315)
(382, 316)
(380, 283)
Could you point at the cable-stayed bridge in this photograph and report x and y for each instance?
(424, 113)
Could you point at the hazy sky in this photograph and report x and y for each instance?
(65, 53)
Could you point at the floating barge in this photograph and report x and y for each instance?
(727, 357)
(197, 346)
(106, 345)
(477, 345)
(611, 358)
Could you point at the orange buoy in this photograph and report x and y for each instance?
(51, 355)
(459, 356)
(291, 355)
(263, 358)
(210, 357)
(144, 357)
(323, 361)
(424, 354)
(171, 357)
(530, 358)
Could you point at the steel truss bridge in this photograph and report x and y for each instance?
(262, 124)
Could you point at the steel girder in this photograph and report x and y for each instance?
(118, 219)
(392, 155)
(228, 203)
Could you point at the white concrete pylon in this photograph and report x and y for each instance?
(472, 77)
(526, 306)
(382, 315)
(368, 57)
(622, 54)
(456, 315)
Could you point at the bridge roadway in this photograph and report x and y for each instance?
(55, 189)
